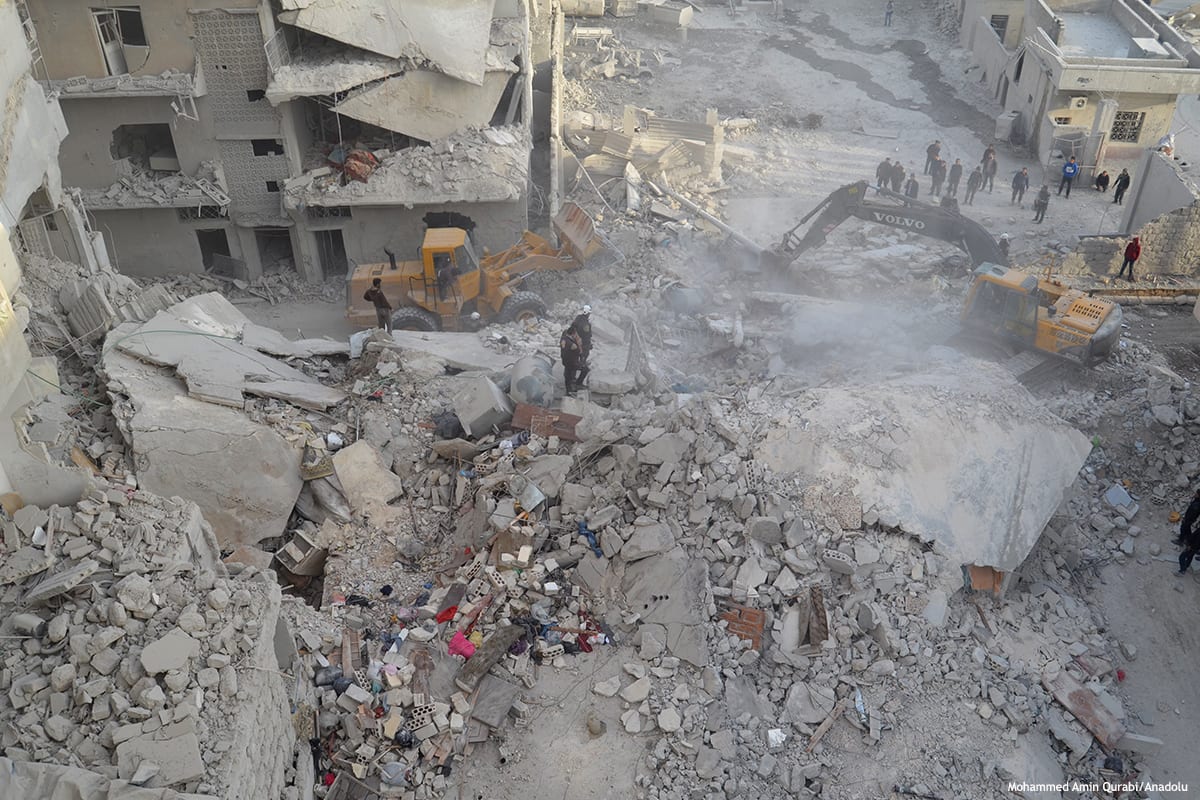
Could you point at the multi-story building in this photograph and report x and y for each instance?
(1094, 79)
(242, 135)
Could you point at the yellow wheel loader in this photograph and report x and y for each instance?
(448, 282)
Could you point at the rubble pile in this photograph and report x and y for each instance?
(141, 657)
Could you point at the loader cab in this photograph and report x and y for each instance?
(1005, 302)
(449, 269)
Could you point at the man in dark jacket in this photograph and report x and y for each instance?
(383, 309)
(1020, 183)
(937, 176)
(911, 187)
(1102, 181)
(989, 173)
(956, 170)
(883, 173)
(1189, 539)
(897, 177)
(932, 153)
(1041, 203)
(1121, 186)
(570, 350)
(974, 181)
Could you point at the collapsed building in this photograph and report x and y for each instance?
(298, 136)
(1083, 79)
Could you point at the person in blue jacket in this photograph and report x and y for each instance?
(1070, 170)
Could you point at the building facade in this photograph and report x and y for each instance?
(214, 134)
(1092, 79)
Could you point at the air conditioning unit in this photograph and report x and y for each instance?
(1078, 103)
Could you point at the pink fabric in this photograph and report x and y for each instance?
(460, 646)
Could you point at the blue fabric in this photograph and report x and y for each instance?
(1070, 170)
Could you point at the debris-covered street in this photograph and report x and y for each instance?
(598, 399)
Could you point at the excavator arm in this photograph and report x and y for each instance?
(923, 218)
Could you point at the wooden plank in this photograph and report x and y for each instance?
(1085, 707)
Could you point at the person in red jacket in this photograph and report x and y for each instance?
(1132, 251)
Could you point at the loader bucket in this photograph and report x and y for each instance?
(578, 235)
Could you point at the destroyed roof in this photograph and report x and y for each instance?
(157, 190)
(472, 166)
(450, 36)
(327, 67)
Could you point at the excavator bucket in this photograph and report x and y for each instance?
(578, 235)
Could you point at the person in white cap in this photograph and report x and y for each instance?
(1005, 243)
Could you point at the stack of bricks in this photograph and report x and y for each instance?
(746, 623)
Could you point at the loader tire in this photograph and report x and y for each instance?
(414, 319)
(522, 306)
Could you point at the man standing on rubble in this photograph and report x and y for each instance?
(989, 173)
(383, 309)
(956, 171)
(883, 173)
(1188, 538)
(937, 176)
(570, 349)
(1020, 183)
(932, 153)
(974, 181)
(897, 176)
(1133, 251)
(911, 187)
(1041, 203)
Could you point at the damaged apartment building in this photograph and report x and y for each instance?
(240, 137)
(1091, 79)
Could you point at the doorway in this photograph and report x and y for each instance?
(213, 242)
(331, 249)
(275, 249)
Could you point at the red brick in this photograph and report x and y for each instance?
(745, 623)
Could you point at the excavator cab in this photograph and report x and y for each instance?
(449, 276)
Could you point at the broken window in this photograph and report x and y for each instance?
(999, 23)
(254, 95)
(200, 212)
(1127, 126)
(1062, 120)
(122, 39)
(149, 147)
(272, 186)
(1017, 71)
(267, 147)
(316, 213)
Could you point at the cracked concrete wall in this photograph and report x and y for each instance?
(87, 160)
(154, 241)
(71, 45)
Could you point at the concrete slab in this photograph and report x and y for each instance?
(178, 758)
(481, 406)
(666, 588)
(365, 477)
(452, 36)
(268, 340)
(426, 105)
(462, 351)
(244, 477)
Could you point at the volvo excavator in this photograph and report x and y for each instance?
(1033, 313)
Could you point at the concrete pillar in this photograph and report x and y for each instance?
(248, 244)
(1097, 143)
(305, 252)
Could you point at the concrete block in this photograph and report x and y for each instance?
(838, 562)
(481, 405)
(172, 651)
(1136, 743)
(178, 758)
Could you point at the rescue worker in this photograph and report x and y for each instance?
(1004, 243)
(1188, 538)
(583, 326)
(383, 309)
(570, 350)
